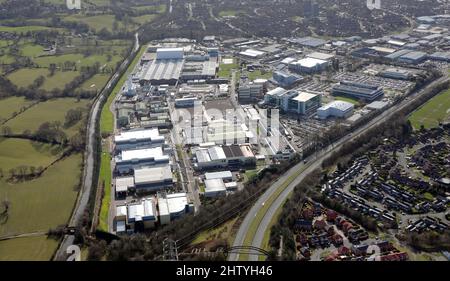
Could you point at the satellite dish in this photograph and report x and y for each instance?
(374, 4)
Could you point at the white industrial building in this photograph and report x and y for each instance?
(166, 68)
(215, 188)
(169, 53)
(340, 109)
(251, 53)
(138, 139)
(122, 185)
(223, 175)
(173, 206)
(153, 179)
(137, 216)
(130, 160)
(309, 65)
(218, 157)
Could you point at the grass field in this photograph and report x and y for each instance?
(105, 176)
(16, 152)
(79, 59)
(38, 248)
(31, 50)
(96, 83)
(43, 203)
(225, 69)
(24, 77)
(97, 23)
(223, 231)
(257, 74)
(10, 105)
(49, 111)
(24, 29)
(350, 100)
(431, 113)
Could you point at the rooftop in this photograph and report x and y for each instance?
(152, 175)
(123, 183)
(172, 203)
(138, 154)
(304, 97)
(126, 136)
(310, 62)
(340, 105)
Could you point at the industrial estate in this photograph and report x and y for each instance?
(233, 147)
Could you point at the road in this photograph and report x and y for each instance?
(91, 132)
(302, 170)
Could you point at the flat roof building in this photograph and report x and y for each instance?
(130, 160)
(142, 214)
(340, 109)
(231, 156)
(138, 139)
(301, 103)
(153, 179)
(309, 65)
(215, 188)
(224, 175)
(357, 90)
(172, 206)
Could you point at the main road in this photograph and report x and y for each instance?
(296, 174)
(89, 155)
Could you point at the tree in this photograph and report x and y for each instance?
(6, 130)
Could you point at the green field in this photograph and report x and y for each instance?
(24, 77)
(43, 203)
(350, 100)
(79, 59)
(96, 83)
(16, 152)
(49, 111)
(258, 74)
(24, 29)
(225, 69)
(38, 248)
(105, 176)
(99, 22)
(12, 104)
(431, 113)
(31, 50)
(145, 18)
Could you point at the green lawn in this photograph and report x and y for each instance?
(105, 176)
(10, 105)
(49, 111)
(258, 74)
(16, 152)
(38, 248)
(160, 9)
(350, 100)
(431, 113)
(43, 203)
(145, 18)
(225, 69)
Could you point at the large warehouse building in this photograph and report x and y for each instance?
(309, 65)
(217, 157)
(340, 109)
(360, 91)
(166, 68)
(138, 139)
(129, 160)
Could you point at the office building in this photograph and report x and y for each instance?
(129, 160)
(359, 91)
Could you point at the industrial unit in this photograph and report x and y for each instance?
(340, 109)
(138, 139)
